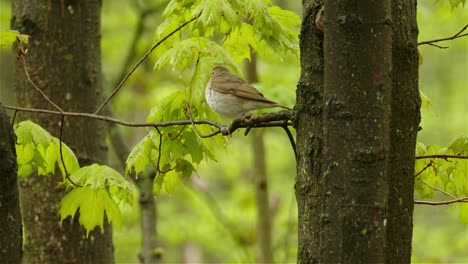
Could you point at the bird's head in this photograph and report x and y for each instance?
(218, 70)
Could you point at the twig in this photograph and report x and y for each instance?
(441, 156)
(141, 60)
(14, 117)
(291, 138)
(437, 189)
(115, 120)
(459, 200)
(458, 35)
(67, 176)
(275, 119)
(21, 54)
(438, 46)
(199, 133)
(23, 61)
(423, 169)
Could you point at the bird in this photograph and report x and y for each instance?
(233, 97)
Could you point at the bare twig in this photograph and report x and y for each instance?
(438, 46)
(436, 189)
(21, 54)
(67, 176)
(291, 138)
(423, 169)
(115, 120)
(276, 119)
(141, 60)
(199, 133)
(441, 156)
(14, 117)
(458, 35)
(459, 200)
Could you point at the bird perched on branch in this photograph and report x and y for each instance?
(232, 97)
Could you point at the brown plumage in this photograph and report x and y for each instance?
(233, 97)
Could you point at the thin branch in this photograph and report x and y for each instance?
(199, 133)
(423, 169)
(438, 46)
(14, 117)
(275, 119)
(437, 189)
(142, 59)
(115, 120)
(291, 139)
(22, 54)
(458, 35)
(441, 156)
(67, 176)
(459, 200)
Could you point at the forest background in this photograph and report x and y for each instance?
(200, 221)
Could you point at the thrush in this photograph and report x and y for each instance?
(232, 97)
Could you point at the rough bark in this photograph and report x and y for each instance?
(309, 139)
(351, 187)
(11, 234)
(64, 60)
(404, 124)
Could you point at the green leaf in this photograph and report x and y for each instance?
(215, 14)
(29, 132)
(239, 42)
(102, 189)
(8, 37)
(157, 184)
(463, 212)
(456, 3)
(36, 147)
(103, 177)
(69, 158)
(183, 54)
(92, 203)
(139, 158)
(426, 102)
(459, 146)
(171, 180)
(184, 167)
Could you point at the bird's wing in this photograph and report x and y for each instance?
(231, 84)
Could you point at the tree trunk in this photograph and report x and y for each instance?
(64, 60)
(350, 200)
(404, 124)
(11, 234)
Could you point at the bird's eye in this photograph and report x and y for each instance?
(212, 72)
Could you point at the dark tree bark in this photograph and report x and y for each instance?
(11, 234)
(64, 60)
(355, 167)
(404, 123)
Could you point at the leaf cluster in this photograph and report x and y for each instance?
(173, 152)
(98, 190)
(224, 33)
(448, 175)
(9, 37)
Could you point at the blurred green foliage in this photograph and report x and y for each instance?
(214, 212)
